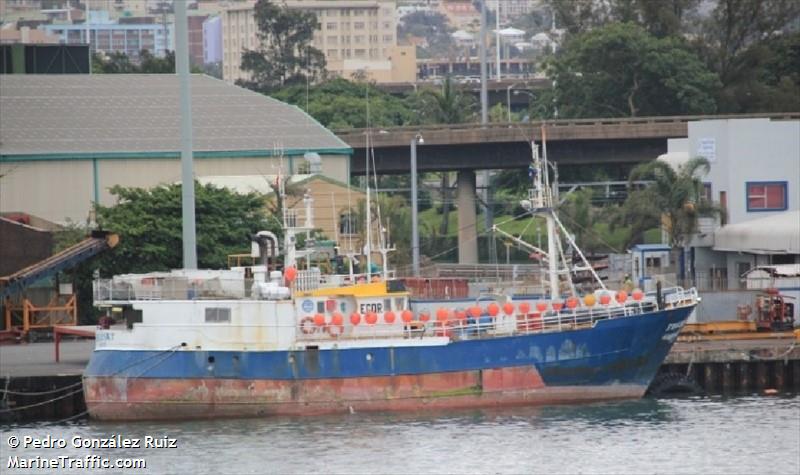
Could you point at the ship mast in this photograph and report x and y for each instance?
(541, 201)
(544, 201)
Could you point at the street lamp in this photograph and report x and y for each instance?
(414, 229)
(528, 93)
(508, 98)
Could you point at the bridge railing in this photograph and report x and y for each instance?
(571, 122)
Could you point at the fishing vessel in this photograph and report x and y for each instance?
(274, 340)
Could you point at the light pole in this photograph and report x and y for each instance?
(414, 229)
(529, 94)
(508, 98)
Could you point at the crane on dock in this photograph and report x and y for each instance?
(13, 284)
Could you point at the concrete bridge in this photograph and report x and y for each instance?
(469, 147)
(500, 145)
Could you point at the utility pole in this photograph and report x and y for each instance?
(187, 165)
(489, 219)
(497, 37)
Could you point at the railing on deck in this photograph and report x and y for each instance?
(486, 326)
(173, 288)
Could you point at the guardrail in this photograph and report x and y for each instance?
(379, 131)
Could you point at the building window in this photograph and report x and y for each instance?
(359, 25)
(360, 53)
(330, 26)
(218, 314)
(707, 194)
(388, 38)
(766, 196)
(358, 39)
(348, 223)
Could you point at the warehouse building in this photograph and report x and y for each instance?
(66, 139)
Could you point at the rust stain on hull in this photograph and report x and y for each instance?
(114, 398)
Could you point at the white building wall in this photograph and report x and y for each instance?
(746, 150)
(741, 151)
(53, 190)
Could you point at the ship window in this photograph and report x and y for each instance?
(387, 305)
(218, 314)
(398, 304)
(320, 307)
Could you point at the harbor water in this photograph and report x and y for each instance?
(752, 434)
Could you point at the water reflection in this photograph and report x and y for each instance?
(700, 435)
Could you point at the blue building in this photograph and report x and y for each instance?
(212, 40)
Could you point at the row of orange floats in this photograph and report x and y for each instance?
(475, 311)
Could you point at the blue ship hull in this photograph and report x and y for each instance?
(613, 359)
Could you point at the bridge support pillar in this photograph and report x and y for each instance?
(467, 220)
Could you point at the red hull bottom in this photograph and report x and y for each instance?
(114, 398)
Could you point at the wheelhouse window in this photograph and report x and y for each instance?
(218, 315)
(766, 196)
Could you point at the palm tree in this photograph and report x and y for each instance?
(448, 106)
(674, 200)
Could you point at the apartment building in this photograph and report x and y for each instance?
(108, 36)
(511, 9)
(361, 31)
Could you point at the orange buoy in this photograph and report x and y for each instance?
(407, 316)
(442, 314)
(461, 315)
(319, 319)
(493, 309)
(355, 318)
(541, 306)
(508, 308)
(475, 311)
(289, 274)
(424, 316)
(389, 317)
(605, 299)
(622, 296)
(638, 295)
(371, 318)
(524, 308)
(337, 319)
(589, 300)
(557, 306)
(572, 302)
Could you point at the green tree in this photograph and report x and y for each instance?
(147, 63)
(342, 104)
(764, 78)
(736, 25)
(433, 27)
(674, 201)
(446, 106)
(579, 16)
(621, 70)
(284, 54)
(149, 224)
(113, 63)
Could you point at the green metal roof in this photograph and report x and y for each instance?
(109, 116)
